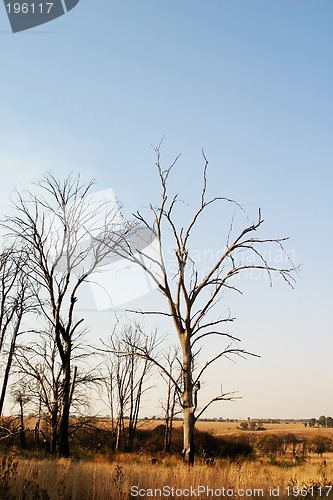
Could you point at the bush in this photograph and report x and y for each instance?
(226, 447)
(320, 444)
(270, 444)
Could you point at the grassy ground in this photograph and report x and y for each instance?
(124, 476)
(229, 428)
(101, 480)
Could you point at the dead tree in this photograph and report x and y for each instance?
(38, 369)
(21, 396)
(126, 381)
(67, 236)
(15, 301)
(191, 298)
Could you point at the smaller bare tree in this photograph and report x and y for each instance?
(16, 300)
(127, 376)
(38, 367)
(21, 396)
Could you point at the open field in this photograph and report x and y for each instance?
(223, 428)
(232, 428)
(297, 428)
(101, 480)
(106, 475)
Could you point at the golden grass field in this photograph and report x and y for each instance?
(125, 476)
(229, 428)
(99, 480)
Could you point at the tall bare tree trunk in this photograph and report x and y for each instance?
(9, 364)
(120, 430)
(188, 403)
(64, 450)
(23, 442)
(188, 436)
(54, 425)
(6, 375)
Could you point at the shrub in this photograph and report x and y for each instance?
(270, 444)
(320, 444)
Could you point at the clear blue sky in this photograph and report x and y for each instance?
(251, 83)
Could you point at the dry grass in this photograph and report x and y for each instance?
(101, 480)
(104, 478)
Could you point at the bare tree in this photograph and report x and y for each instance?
(127, 375)
(21, 396)
(191, 298)
(15, 301)
(38, 369)
(68, 236)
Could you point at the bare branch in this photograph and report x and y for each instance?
(228, 396)
(235, 351)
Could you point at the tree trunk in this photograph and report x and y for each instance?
(168, 433)
(120, 431)
(187, 398)
(23, 442)
(188, 436)
(37, 426)
(9, 364)
(64, 450)
(54, 425)
(6, 375)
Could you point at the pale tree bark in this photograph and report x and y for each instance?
(58, 226)
(191, 298)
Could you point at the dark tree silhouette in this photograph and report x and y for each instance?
(57, 226)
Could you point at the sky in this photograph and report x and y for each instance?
(250, 83)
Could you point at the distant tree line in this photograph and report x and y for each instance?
(322, 421)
